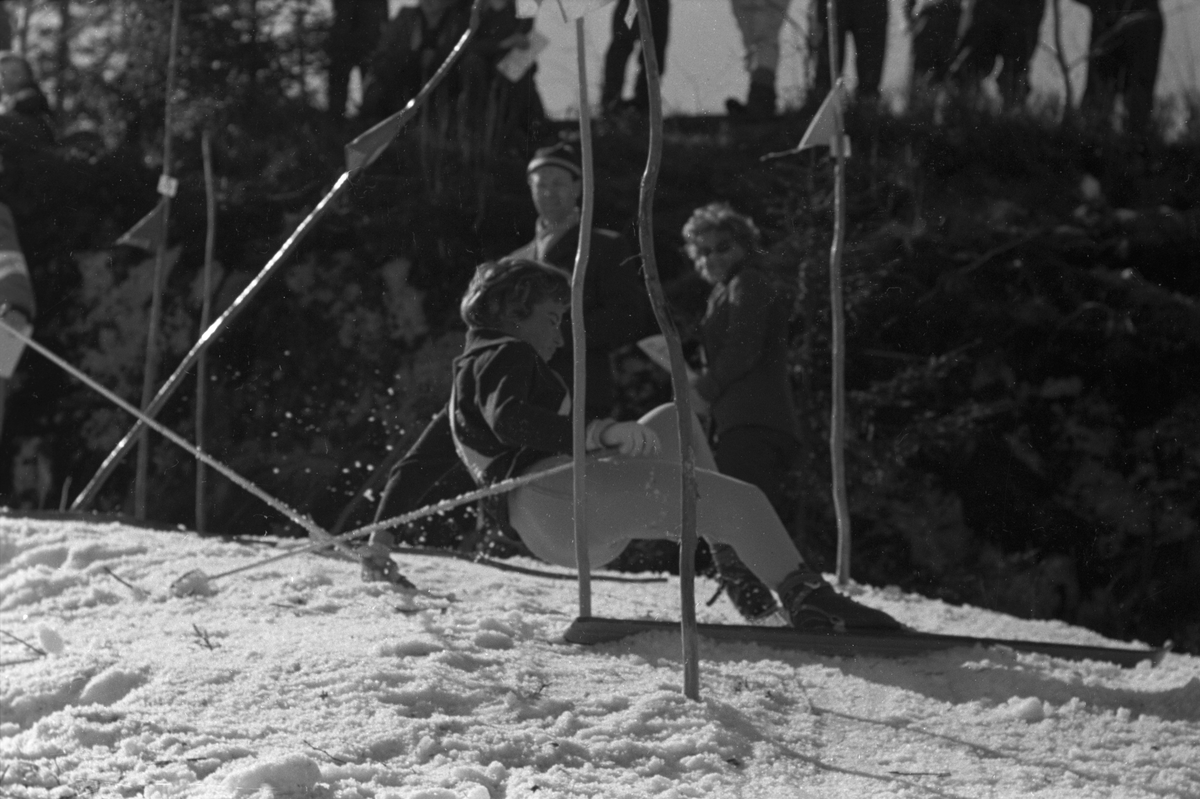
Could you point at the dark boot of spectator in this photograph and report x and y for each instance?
(760, 102)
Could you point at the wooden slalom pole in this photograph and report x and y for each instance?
(682, 388)
(583, 564)
(837, 418)
(166, 187)
(210, 240)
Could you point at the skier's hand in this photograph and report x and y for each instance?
(632, 439)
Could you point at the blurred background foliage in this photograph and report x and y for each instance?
(1021, 297)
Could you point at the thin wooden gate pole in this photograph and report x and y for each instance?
(210, 240)
(150, 366)
(837, 419)
(578, 339)
(679, 382)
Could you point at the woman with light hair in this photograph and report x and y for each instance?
(744, 386)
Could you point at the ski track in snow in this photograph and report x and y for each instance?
(299, 680)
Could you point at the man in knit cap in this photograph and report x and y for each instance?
(615, 305)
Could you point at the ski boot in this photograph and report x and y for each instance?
(813, 606)
(753, 600)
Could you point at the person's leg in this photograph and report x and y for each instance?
(1141, 50)
(760, 22)
(822, 80)
(431, 462)
(617, 56)
(761, 456)
(429, 472)
(632, 498)
(869, 28)
(660, 23)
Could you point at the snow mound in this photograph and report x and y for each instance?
(111, 686)
(290, 775)
(417, 646)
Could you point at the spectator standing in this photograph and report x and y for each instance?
(504, 107)
(759, 22)
(620, 48)
(865, 21)
(744, 386)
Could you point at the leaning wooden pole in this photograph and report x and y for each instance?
(837, 418)
(210, 240)
(166, 187)
(679, 380)
(578, 337)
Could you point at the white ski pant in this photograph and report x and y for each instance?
(631, 498)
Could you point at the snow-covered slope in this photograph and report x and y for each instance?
(297, 679)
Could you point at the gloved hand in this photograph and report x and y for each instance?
(631, 439)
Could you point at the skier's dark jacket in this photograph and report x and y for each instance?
(508, 409)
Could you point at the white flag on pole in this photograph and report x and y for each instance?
(825, 125)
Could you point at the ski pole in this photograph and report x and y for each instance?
(305, 522)
(406, 518)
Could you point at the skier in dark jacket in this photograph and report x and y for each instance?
(510, 414)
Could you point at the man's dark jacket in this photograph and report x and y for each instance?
(615, 307)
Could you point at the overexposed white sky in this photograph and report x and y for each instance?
(704, 54)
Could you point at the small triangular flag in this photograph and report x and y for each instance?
(363, 151)
(825, 126)
(148, 232)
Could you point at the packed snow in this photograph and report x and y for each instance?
(297, 679)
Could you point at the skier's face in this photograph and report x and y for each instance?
(542, 329)
(716, 254)
(555, 193)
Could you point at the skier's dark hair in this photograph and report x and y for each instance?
(511, 287)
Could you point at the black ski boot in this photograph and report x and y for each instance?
(749, 595)
(814, 606)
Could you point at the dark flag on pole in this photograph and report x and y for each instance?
(148, 232)
(365, 148)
